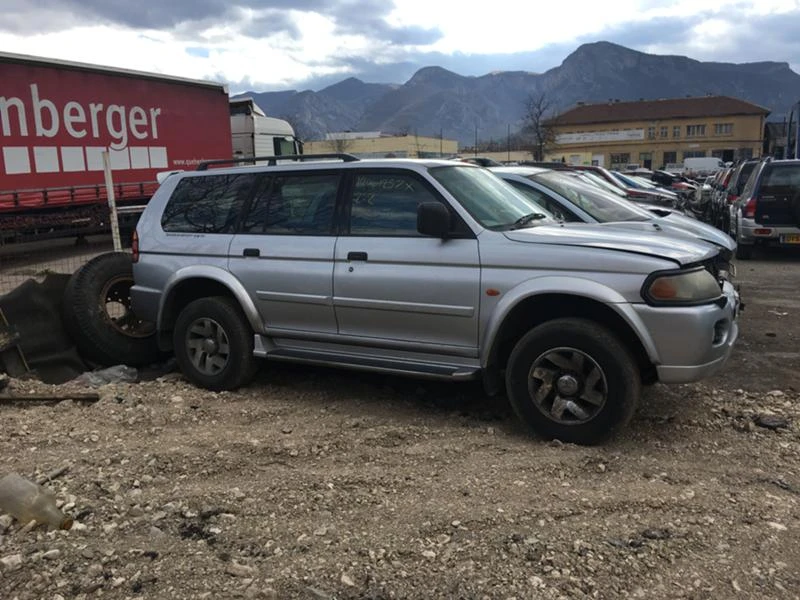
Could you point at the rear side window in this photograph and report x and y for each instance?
(207, 204)
(293, 204)
(747, 169)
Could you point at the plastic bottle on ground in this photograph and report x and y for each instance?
(27, 501)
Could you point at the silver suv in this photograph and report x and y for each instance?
(429, 268)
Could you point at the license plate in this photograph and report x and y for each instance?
(790, 238)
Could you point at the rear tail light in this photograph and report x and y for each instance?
(762, 231)
(135, 247)
(749, 210)
(732, 198)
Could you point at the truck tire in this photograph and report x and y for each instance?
(214, 344)
(98, 316)
(573, 380)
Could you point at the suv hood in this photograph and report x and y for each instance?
(683, 250)
(673, 224)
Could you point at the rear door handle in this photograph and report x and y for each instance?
(252, 252)
(356, 256)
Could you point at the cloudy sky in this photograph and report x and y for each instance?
(262, 45)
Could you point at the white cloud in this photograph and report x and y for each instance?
(281, 59)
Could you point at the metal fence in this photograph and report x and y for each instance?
(34, 260)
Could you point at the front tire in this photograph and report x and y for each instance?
(573, 380)
(214, 344)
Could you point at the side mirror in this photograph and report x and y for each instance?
(433, 219)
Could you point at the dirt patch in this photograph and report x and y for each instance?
(314, 483)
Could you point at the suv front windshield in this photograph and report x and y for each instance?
(600, 205)
(489, 200)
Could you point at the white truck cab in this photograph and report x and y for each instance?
(256, 134)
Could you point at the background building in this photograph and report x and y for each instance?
(374, 144)
(655, 133)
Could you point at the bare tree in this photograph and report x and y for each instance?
(538, 123)
(340, 143)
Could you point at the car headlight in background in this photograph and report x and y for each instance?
(697, 286)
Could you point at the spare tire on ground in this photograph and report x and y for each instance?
(98, 315)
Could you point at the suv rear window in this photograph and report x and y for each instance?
(780, 181)
(207, 204)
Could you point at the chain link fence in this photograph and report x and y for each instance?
(54, 252)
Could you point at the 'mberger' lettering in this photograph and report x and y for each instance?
(78, 120)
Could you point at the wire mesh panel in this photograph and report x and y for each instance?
(41, 248)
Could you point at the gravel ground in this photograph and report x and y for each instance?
(317, 484)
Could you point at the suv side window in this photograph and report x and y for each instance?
(296, 204)
(386, 204)
(207, 204)
(751, 182)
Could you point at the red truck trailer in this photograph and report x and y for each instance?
(56, 120)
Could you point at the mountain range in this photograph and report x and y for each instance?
(437, 101)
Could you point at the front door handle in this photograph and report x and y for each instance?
(251, 252)
(356, 256)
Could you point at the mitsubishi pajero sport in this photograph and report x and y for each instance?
(428, 268)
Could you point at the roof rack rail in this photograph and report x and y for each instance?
(272, 160)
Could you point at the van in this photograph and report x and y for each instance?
(702, 165)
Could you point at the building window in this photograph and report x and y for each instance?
(620, 161)
(694, 154)
(670, 158)
(745, 153)
(665, 132)
(651, 133)
(676, 131)
(695, 130)
(723, 128)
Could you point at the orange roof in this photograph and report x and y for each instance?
(654, 110)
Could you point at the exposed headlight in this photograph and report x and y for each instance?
(697, 286)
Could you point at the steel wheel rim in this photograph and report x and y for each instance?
(115, 306)
(568, 386)
(208, 346)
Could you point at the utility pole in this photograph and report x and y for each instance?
(797, 136)
(508, 144)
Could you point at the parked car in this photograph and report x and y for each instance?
(481, 161)
(637, 193)
(657, 194)
(733, 190)
(428, 268)
(682, 186)
(565, 195)
(719, 202)
(768, 210)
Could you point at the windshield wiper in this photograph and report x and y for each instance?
(527, 219)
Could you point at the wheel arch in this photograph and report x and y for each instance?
(527, 310)
(192, 283)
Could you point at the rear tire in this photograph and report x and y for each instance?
(573, 380)
(214, 344)
(98, 316)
